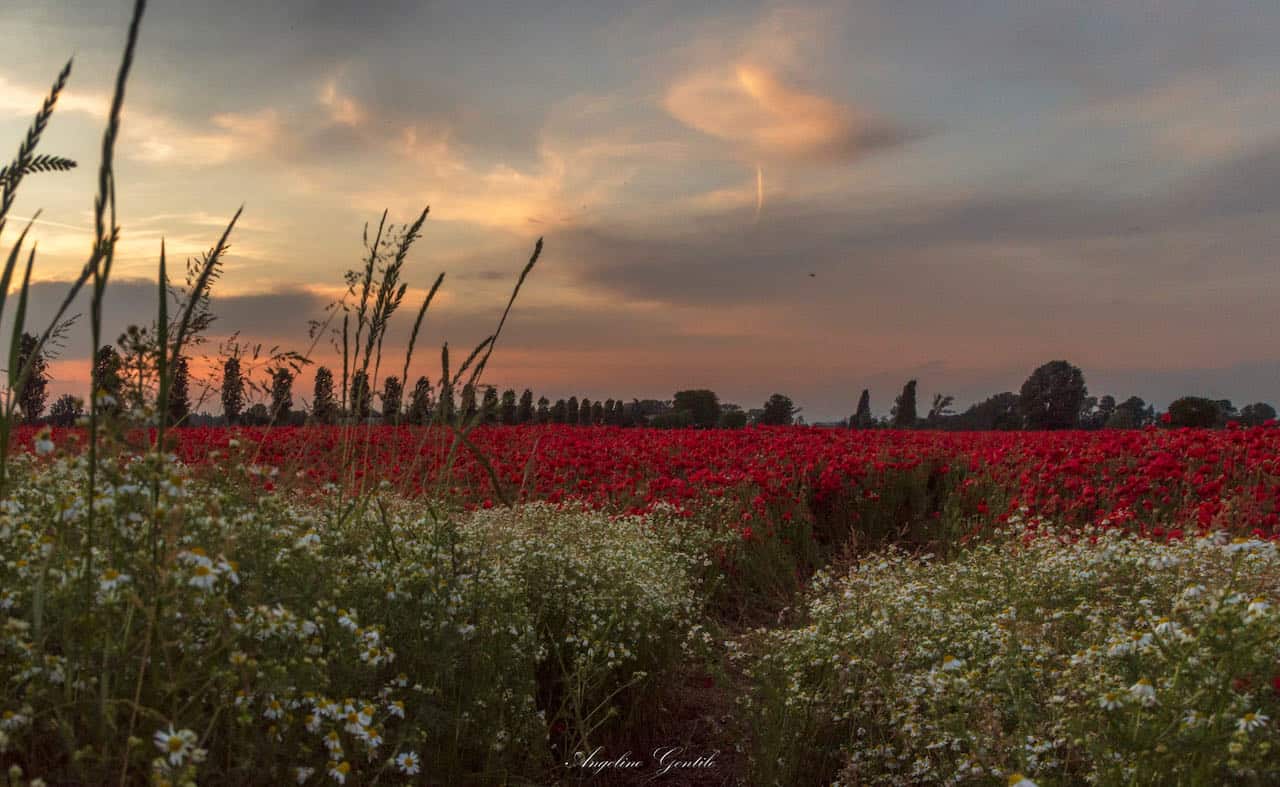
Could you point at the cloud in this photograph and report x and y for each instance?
(342, 108)
(154, 137)
(750, 106)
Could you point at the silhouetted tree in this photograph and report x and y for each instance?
(232, 390)
(778, 411)
(360, 400)
(1132, 413)
(258, 415)
(489, 405)
(560, 412)
(584, 412)
(1051, 397)
(179, 392)
(66, 410)
(904, 407)
(508, 407)
(32, 396)
(446, 408)
(323, 407)
(468, 404)
(1194, 411)
(524, 411)
(702, 405)
(392, 393)
(281, 397)
(420, 403)
(106, 372)
(941, 408)
(862, 418)
(999, 412)
(1257, 414)
(543, 414)
(1106, 408)
(571, 410)
(597, 413)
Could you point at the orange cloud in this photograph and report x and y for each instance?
(153, 137)
(750, 106)
(342, 108)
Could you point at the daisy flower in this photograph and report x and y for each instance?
(1143, 692)
(339, 771)
(1110, 701)
(112, 579)
(177, 745)
(1252, 721)
(408, 763)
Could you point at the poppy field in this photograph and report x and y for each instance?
(1159, 482)
(793, 600)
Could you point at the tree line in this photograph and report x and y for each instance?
(1054, 396)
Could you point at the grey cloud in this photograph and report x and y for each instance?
(1120, 240)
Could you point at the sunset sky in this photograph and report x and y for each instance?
(749, 197)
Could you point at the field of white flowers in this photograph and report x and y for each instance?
(1100, 658)
(251, 639)
(217, 636)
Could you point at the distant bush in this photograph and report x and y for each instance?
(673, 419)
(1194, 411)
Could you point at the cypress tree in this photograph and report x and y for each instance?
(323, 407)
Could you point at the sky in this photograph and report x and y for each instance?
(806, 198)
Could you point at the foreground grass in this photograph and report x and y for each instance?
(1045, 660)
(250, 639)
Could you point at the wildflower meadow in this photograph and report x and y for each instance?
(363, 600)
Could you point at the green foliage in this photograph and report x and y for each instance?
(324, 408)
(999, 412)
(862, 417)
(702, 405)
(490, 412)
(420, 405)
(281, 396)
(1257, 414)
(524, 411)
(673, 419)
(904, 407)
(1052, 396)
(232, 390)
(778, 411)
(940, 409)
(67, 410)
(1132, 413)
(467, 405)
(34, 391)
(392, 393)
(179, 392)
(1194, 411)
(360, 400)
(106, 372)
